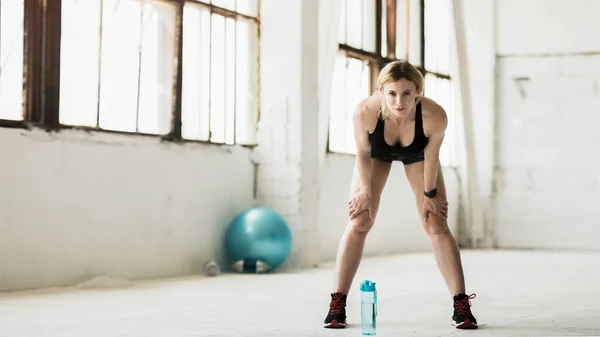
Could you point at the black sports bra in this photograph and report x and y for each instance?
(413, 152)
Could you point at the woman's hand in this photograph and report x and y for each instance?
(437, 206)
(360, 202)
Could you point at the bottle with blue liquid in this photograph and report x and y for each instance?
(368, 310)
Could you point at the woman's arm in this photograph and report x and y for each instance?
(362, 118)
(365, 117)
(437, 123)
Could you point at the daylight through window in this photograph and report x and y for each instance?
(180, 69)
(11, 59)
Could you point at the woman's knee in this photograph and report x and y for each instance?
(435, 225)
(362, 224)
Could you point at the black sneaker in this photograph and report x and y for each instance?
(336, 318)
(463, 318)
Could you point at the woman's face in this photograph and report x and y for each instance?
(400, 96)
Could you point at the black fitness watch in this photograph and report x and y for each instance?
(431, 194)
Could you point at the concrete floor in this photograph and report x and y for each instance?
(518, 294)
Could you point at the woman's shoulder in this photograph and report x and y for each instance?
(434, 115)
(370, 105)
(367, 110)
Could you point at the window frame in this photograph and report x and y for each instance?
(376, 61)
(41, 70)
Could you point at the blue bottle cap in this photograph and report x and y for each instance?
(367, 285)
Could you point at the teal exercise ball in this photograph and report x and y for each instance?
(258, 240)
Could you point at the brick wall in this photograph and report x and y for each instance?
(548, 103)
(548, 162)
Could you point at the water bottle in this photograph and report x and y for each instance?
(368, 308)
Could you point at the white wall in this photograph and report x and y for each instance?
(477, 37)
(548, 103)
(77, 205)
(287, 148)
(547, 26)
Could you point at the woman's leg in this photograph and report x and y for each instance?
(445, 248)
(353, 240)
(351, 245)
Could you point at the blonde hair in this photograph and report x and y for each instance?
(395, 71)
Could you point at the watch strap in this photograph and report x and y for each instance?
(431, 194)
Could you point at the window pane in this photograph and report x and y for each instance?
(438, 30)
(414, 43)
(354, 24)
(402, 26)
(120, 61)
(217, 79)
(351, 85)
(196, 73)
(229, 81)
(383, 28)
(246, 82)
(337, 108)
(117, 64)
(357, 89)
(248, 7)
(368, 23)
(156, 69)
(11, 59)
(228, 4)
(79, 63)
(343, 23)
(440, 90)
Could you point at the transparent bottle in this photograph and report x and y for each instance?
(368, 310)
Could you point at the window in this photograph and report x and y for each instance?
(352, 82)
(116, 68)
(220, 73)
(179, 69)
(439, 48)
(11, 59)
(375, 32)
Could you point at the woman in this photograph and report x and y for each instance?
(399, 124)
